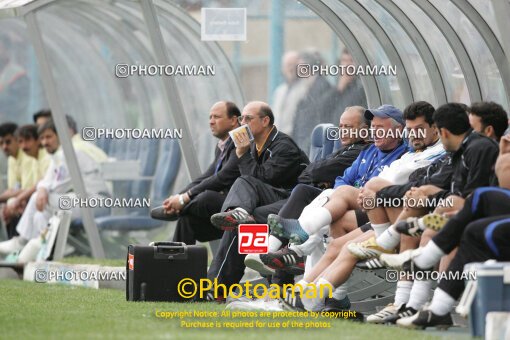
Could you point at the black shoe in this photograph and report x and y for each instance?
(292, 301)
(403, 312)
(231, 219)
(160, 214)
(425, 318)
(285, 259)
(209, 297)
(371, 264)
(336, 305)
(409, 227)
(341, 309)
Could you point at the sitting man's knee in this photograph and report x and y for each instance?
(473, 230)
(300, 188)
(376, 184)
(246, 178)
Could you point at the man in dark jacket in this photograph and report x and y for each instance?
(203, 197)
(269, 167)
(317, 176)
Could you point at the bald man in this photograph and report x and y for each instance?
(194, 205)
(270, 165)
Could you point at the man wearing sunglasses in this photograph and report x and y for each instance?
(269, 165)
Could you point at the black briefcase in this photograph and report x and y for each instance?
(154, 271)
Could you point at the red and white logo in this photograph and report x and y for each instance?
(131, 261)
(253, 238)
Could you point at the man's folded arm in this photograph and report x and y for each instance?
(284, 163)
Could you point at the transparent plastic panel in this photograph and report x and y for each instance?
(388, 84)
(484, 7)
(449, 67)
(486, 69)
(198, 93)
(413, 62)
(89, 40)
(21, 92)
(85, 43)
(280, 33)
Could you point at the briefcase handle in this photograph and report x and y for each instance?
(170, 250)
(167, 243)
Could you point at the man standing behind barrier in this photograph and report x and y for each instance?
(203, 197)
(269, 166)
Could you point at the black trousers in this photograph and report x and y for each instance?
(299, 198)
(484, 202)
(482, 240)
(248, 193)
(195, 221)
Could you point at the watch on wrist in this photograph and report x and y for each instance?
(181, 200)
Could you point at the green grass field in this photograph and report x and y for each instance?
(33, 310)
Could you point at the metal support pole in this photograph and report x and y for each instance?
(63, 133)
(171, 90)
(276, 18)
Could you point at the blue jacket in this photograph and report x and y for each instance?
(369, 164)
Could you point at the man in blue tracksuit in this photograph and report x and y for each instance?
(333, 204)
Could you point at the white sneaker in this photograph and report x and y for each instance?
(397, 261)
(30, 251)
(254, 262)
(407, 322)
(14, 244)
(385, 314)
(367, 249)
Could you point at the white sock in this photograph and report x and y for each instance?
(317, 303)
(430, 255)
(403, 291)
(380, 228)
(389, 239)
(315, 219)
(274, 244)
(302, 283)
(297, 250)
(442, 302)
(340, 292)
(420, 294)
(421, 224)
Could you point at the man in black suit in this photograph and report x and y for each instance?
(194, 205)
